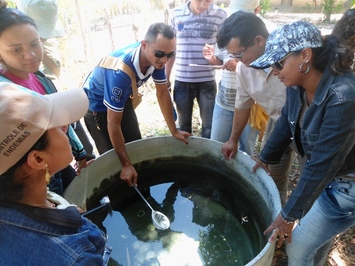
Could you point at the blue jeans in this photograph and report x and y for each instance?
(332, 213)
(222, 123)
(184, 95)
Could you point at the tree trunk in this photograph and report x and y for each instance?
(83, 35)
(109, 27)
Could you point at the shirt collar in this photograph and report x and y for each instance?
(324, 85)
(268, 72)
(135, 61)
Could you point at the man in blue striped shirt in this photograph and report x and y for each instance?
(196, 23)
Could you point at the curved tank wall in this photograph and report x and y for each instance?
(260, 184)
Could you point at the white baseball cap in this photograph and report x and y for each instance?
(244, 5)
(26, 115)
(45, 15)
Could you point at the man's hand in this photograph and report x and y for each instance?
(229, 149)
(182, 135)
(208, 51)
(79, 165)
(281, 230)
(129, 175)
(260, 164)
(230, 65)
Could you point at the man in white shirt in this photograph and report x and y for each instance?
(244, 35)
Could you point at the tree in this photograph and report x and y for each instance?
(11, 3)
(327, 10)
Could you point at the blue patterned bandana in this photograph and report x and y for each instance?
(288, 38)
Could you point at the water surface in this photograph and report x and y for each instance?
(212, 220)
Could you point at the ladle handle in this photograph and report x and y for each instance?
(140, 194)
(94, 210)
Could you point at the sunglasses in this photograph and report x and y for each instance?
(240, 55)
(278, 65)
(161, 54)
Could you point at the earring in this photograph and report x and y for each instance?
(301, 67)
(48, 175)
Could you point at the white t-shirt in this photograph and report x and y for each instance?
(255, 85)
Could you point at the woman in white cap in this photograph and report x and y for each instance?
(35, 230)
(319, 117)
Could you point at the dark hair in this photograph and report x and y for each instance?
(10, 17)
(344, 29)
(242, 25)
(159, 28)
(333, 54)
(9, 190)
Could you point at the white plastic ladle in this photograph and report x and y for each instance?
(160, 220)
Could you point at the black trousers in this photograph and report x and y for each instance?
(96, 123)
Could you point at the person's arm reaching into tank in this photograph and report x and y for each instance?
(166, 108)
(240, 119)
(128, 173)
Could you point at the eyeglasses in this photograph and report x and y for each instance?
(161, 54)
(240, 55)
(278, 64)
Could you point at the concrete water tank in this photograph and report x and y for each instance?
(260, 187)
